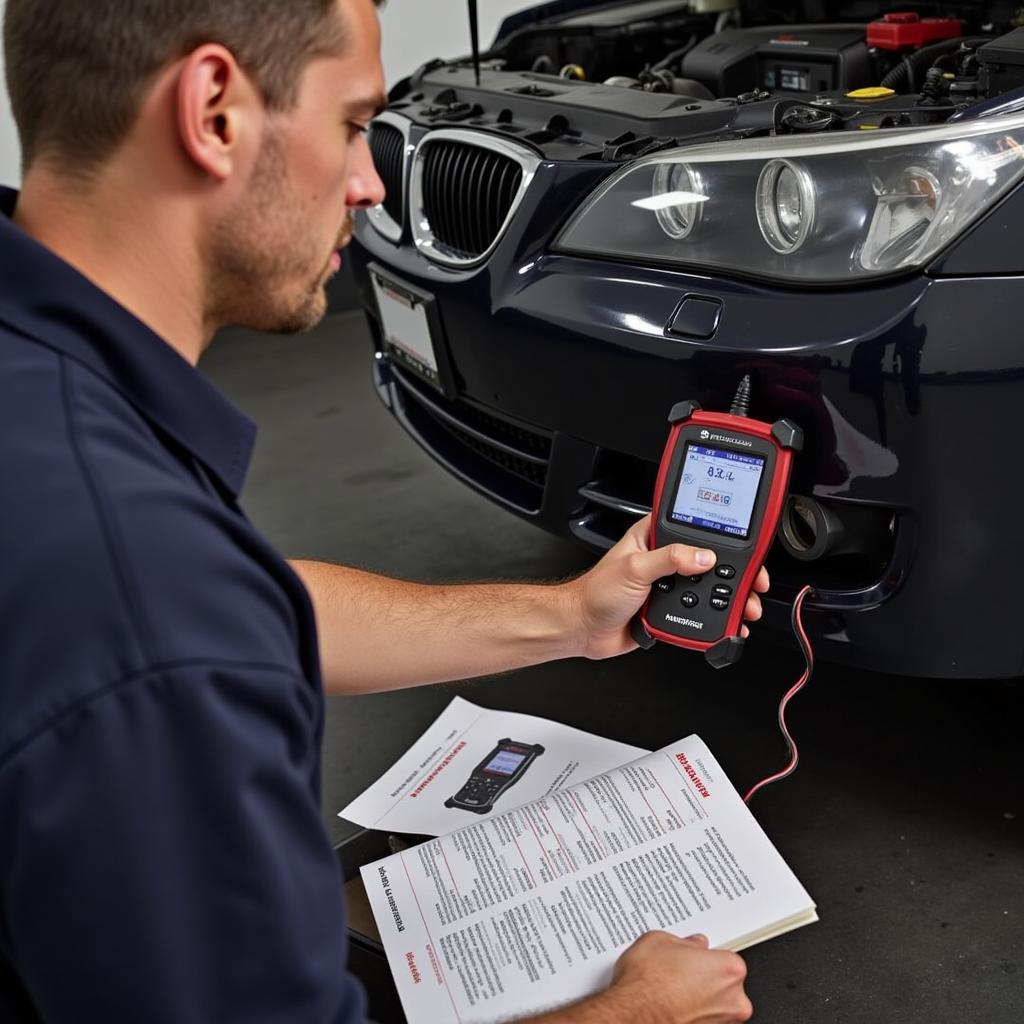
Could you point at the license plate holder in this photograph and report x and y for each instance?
(411, 330)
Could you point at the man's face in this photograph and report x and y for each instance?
(272, 254)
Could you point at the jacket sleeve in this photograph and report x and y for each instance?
(163, 859)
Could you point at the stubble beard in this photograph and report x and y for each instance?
(263, 271)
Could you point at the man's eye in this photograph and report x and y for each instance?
(355, 128)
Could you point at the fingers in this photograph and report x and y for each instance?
(753, 610)
(639, 533)
(681, 979)
(683, 557)
(646, 566)
(649, 566)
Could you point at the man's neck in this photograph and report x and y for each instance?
(132, 245)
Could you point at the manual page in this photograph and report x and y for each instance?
(529, 909)
(417, 794)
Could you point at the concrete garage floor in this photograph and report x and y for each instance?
(905, 820)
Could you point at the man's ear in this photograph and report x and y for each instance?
(217, 107)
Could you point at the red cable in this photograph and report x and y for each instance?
(805, 646)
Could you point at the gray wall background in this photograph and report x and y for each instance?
(9, 153)
(413, 31)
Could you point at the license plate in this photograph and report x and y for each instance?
(407, 320)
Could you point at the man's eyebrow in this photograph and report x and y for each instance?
(371, 106)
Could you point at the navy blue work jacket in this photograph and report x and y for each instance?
(162, 854)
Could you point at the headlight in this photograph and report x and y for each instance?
(836, 207)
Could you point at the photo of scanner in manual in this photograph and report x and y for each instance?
(458, 770)
(498, 772)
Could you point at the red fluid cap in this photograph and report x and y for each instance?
(905, 30)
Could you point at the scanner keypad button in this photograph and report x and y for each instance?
(719, 604)
(688, 599)
(721, 590)
(725, 572)
(695, 579)
(665, 584)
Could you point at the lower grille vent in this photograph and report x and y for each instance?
(506, 459)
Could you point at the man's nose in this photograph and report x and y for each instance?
(364, 185)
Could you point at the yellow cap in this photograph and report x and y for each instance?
(874, 92)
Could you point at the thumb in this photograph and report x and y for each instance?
(672, 558)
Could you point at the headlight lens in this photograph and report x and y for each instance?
(678, 196)
(833, 208)
(785, 205)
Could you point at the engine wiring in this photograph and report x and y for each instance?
(808, 653)
(938, 108)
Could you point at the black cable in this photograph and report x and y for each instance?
(741, 403)
(933, 87)
(908, 68)
(900, 110)
(797, 625)
(667, 62)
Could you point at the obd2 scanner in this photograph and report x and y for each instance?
(721, 485)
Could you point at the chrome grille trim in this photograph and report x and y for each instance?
(388, 217)
(471, 185)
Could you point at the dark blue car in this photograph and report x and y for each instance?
(626, 205)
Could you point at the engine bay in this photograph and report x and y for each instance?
(632, 44)
(622, 80)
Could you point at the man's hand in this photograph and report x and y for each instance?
(664, 980)
(611, 593)
(682, 981)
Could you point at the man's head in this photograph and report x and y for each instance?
(251, 110)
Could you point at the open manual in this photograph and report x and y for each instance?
(528, 908)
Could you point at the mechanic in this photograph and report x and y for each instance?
(190, 164)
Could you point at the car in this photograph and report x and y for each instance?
(620, 206)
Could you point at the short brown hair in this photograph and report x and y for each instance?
(77, 70)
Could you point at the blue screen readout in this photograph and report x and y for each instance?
(717, 490)
(505, 762)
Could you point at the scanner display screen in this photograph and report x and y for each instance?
(717, 490)
(504, 762)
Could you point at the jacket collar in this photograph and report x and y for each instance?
(46, 299)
